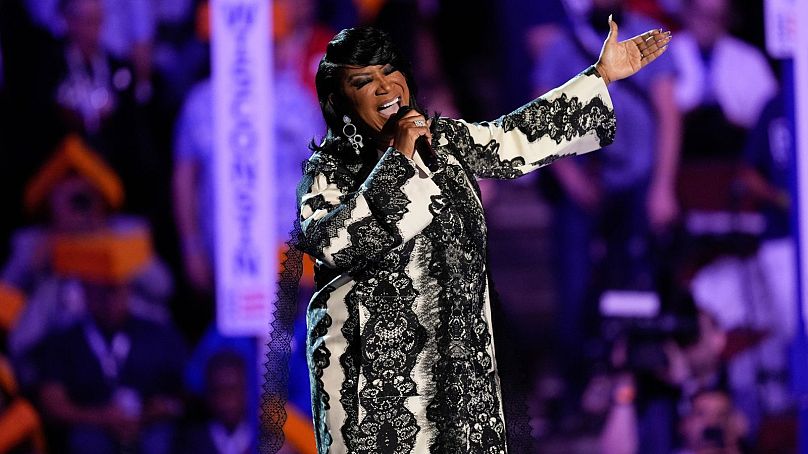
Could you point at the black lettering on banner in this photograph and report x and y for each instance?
(242, 138)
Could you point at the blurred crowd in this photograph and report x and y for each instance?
(673, 260)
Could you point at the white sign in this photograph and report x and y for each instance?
(781, 27)
(801, 126)
(246, 258)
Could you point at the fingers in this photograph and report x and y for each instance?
(410, 127)
(655, 48)
(414, 120)
(643, 40)
(651, 44)
(651, 57)
(612, 30)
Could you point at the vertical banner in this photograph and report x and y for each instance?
(801, 133)
(246, 258)
(800, 349)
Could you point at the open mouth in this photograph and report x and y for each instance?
(389, 108)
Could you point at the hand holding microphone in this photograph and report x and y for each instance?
(410, 132)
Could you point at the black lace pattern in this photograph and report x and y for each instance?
(412, 368)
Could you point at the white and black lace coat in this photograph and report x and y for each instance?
(399, 341)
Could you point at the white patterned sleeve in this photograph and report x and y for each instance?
(572, 119)
(350, 229)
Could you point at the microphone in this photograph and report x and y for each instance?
(422, 145)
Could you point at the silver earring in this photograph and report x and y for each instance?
(350, 132)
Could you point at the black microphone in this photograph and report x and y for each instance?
(422, 145)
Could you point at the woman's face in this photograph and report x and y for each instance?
(375, 93)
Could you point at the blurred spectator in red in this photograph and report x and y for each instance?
(112, 381)
(722, 82)
(227, 428)
(300, 39)
(76, 195)
(658, 10)
(607, 208)
(125, 29)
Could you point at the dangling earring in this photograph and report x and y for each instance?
(350, 132)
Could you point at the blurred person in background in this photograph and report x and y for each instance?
(126, 30)
(756, 292)
(608, 207)
(722, 82)
(113, 380)
(180, 57)
(712, 424)
(651, 384)
(228, 428)
(76, 197)
(723, 87)
(92, 93)
(299, 39)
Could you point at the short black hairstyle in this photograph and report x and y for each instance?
(353, 47)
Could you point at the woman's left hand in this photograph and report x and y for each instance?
(619, 60)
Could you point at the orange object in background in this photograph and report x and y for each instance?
(299, 431)
(307, 278)
(12, 302)
(74, 156)
(368, 9)
(105, 257)
(19, 421)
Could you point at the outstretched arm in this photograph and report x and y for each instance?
(572, 119)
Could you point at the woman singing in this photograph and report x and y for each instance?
(400, 346)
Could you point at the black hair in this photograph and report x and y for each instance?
(359, 47)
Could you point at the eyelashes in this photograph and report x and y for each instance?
(387, 70)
